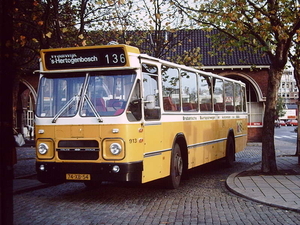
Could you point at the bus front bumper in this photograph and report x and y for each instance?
(51, 172)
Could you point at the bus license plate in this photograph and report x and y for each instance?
(72, 176)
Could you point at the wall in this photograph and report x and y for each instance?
(255, 134)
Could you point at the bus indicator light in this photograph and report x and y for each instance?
(115, 131)
(42, 168)
(116, 169)
(41, 131)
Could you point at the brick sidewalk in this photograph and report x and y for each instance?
(278, 190)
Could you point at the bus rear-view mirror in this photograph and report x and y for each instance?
(150, 102)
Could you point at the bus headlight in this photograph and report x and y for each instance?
(43, 148)
(115, 148)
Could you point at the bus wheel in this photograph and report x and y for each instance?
(230, 152)
(173, 180)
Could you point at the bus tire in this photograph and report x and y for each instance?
(176, 169)
(230, 152)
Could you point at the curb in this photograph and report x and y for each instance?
(235, 189)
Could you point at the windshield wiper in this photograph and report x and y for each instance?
(74, 98)
(93, 108)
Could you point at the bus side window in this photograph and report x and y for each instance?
(218, 94)
(229, 103)
(151, 92)
(189, 91)
(239, 98)
(244, 99)
(168, 104)
(205, 98)
(171, 91)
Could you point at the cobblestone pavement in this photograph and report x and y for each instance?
(26, 162)
(203, 199)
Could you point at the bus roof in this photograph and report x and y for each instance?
(101, 57)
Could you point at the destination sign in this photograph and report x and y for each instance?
(84, 58)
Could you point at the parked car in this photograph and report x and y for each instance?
(279, 123)
(282, 123)
(292, 123)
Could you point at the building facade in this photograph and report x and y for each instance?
(288, 89)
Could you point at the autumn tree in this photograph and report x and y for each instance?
(37, 25)
(266, 25)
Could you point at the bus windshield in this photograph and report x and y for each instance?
(91, 94)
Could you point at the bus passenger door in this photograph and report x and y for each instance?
(153, 132)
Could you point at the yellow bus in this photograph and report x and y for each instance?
(109, 113)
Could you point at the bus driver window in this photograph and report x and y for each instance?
(134, 112)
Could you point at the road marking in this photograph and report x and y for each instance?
(284, 136)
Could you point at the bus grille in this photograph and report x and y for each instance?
(78, 150)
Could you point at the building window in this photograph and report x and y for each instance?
(255, 114)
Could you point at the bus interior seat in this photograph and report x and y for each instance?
(219, 107)
(100, 105)
(229, 108)
(114, 104)
(119, 112)
(187, 106)
(169, 105)
(195, 106)
(205, 107)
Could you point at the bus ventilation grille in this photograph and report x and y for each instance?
(78, 150)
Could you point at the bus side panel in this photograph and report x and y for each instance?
(204, 150)
(241, 135)
(240, 143)
(207, 139)
(153, 156)
(221, 129)
(152, 168)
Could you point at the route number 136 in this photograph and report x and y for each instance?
(115, 58)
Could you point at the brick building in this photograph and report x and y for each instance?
(248, 66)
